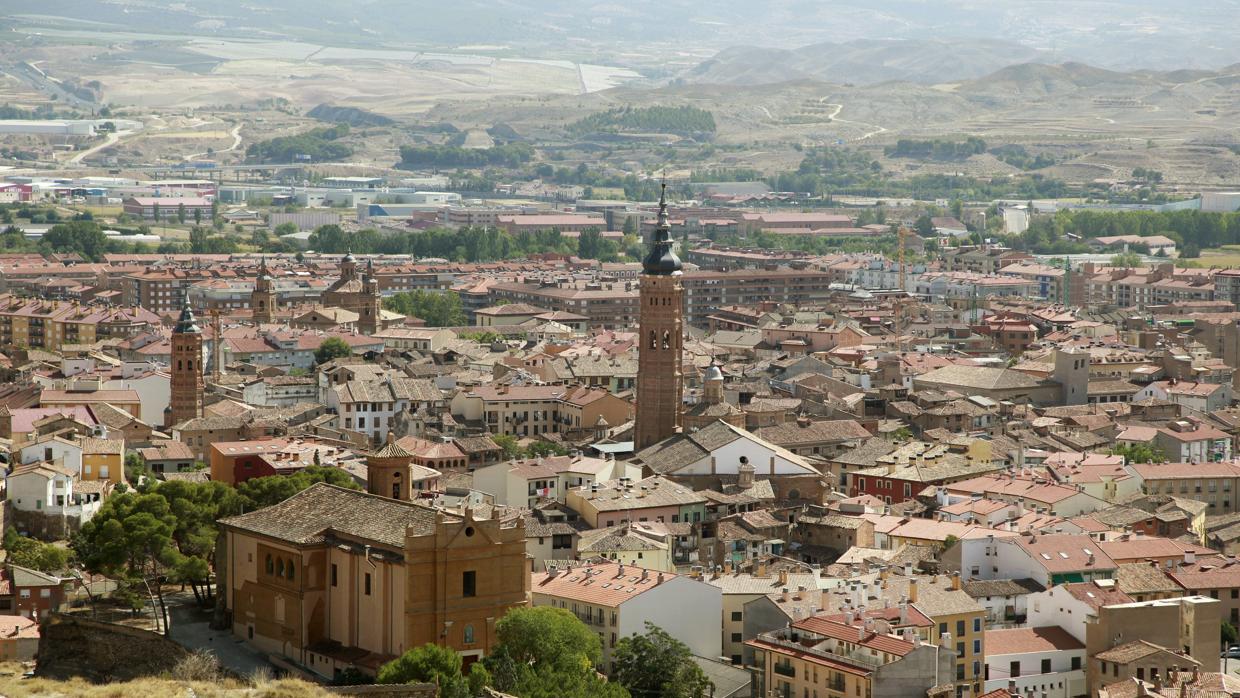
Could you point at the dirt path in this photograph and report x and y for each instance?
(111, 140)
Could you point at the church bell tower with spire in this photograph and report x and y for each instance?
(661, 323)
(263, 299)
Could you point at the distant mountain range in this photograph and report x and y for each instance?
(861, 62)
(935, 40)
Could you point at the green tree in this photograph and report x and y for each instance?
(924, 226)
(436, 308)
(438, 665)
(1140, 453)
(285, 229)
(83, 237)
(130, 539)
(330, 239)
(1126, 260)
(198, 215)
(1227, 634)
(546, 652)
(33, 554)
(332, 348)
(539, 449)
(657, 664)
(260, 492)
(509, 448)
(181, 213)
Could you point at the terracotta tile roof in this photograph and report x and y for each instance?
(1022, 640)
(1096, 596)
(1215, 573)
(601, 584)
(1064, 553)
(855, 635)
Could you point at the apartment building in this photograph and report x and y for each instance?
(1185, 627)
(51, 325)
(617, 600)
(654, 499)
(532, 410)
(371, 407)
(1043, 660)
(523, 483)
(1216, 484)
(816, 656)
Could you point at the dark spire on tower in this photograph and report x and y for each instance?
(662, 261)
(186, 324)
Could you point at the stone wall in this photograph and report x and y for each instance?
(71, 646)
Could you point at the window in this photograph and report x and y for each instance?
(960, 628)
(977, 647)
(25, 593)
(1046, 666)
(1076, 663)
(366, 585)
(1014, 669)
(280, 567)
(469, 634)
(736, 637)
(333, 574)
(271, 565)
(469, 584)
(942, 629)
(736, 616)
(977, 627)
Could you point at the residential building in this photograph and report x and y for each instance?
(617, 600)
(1044, 660)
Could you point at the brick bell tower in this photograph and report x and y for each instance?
(187, 383)
(369, 307)
(263, 299)
(661, 323)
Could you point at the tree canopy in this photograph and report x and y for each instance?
(546, 652)
(438, 309)
(332, 348)
(438, 665)
(657, 664)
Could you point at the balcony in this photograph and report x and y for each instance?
(785, 670)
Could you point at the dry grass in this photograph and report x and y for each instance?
(12, 685)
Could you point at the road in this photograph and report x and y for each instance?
(236, 136)
(835, 116)
(112, 139)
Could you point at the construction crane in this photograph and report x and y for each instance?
(901, 235)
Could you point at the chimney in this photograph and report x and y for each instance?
(1190, 557)
(659, 580)
(800, 592)
(761, 573)
(903, 612)
(783, 576)
(727, 566)
(783, 595)
(955, 581)
(912, 590)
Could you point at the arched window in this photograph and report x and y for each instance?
(280, 567)
(289, 571)
(667, 339)
(190, 364)
(179, 365)
(654, 342)
(469, 634)
(271, 565)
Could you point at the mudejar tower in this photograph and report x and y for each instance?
(661, 326)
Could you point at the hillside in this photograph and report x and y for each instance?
(860, 62)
